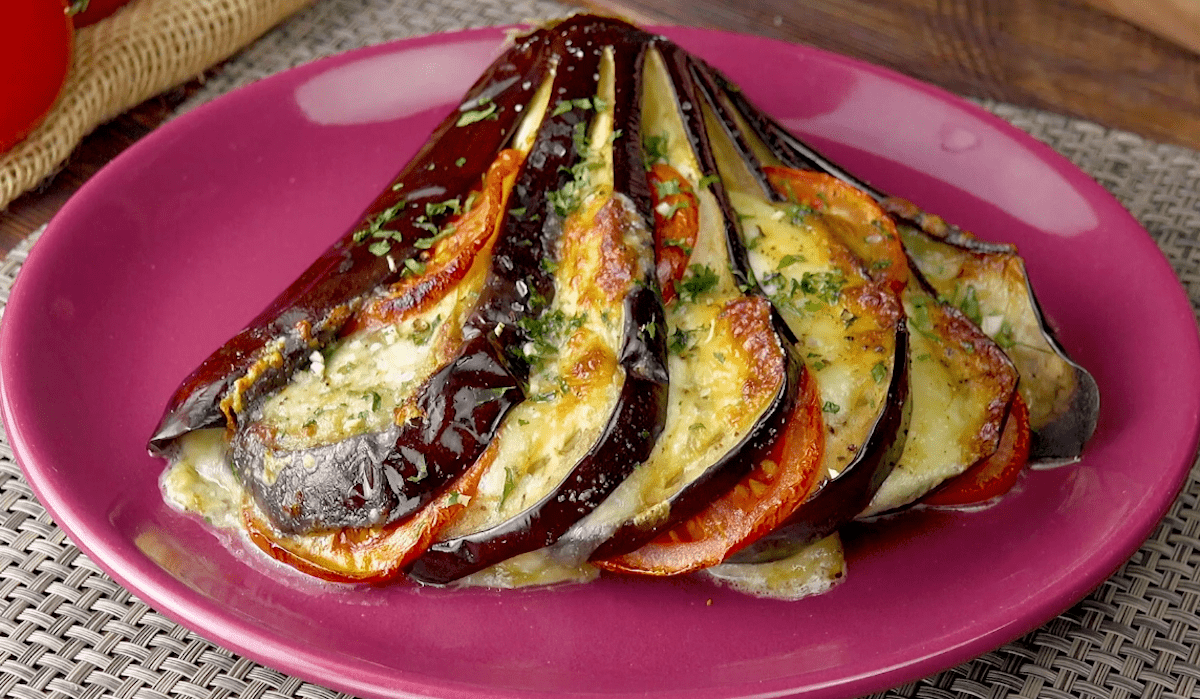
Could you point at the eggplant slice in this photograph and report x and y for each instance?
(597, 394)
(1063, 397)
(734, 375)
(988, 283)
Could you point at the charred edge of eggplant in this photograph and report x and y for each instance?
(839, 500)
(1059, 442)
(306, 315)
(722, 475)
(627, 440)
(688, 92)
(1063, 441)
(791, 151)
(519, 285)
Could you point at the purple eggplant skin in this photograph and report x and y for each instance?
(1061, 441)
(842, 498)
(626, 441)
(309, 314)
(378, 478)
(372, 479)
(633, 428)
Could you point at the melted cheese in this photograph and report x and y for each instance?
(199, 480)
(530, 569)
(955, 413)
(364, 379)
(848, 346)
(811, 571)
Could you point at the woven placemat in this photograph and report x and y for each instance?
(67, 630)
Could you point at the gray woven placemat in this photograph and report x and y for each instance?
(67, 630)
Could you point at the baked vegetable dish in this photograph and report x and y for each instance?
(614, 318)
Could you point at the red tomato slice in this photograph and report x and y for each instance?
(676, 224)
(759, 503)
(994, 476)
(35, 52)
(825, 194)
(449, 259)
(374, 555)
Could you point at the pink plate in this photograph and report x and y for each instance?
(181, 240)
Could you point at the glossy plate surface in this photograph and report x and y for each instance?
(181, 240)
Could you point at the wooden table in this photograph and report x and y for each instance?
(1067, 56)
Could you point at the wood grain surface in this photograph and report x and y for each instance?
(1062, 55)
(1092, 59)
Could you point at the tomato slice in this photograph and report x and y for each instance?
(994, 476)
(450, 252)
(760, 502)
(35, 52)
(676, 224)
(370, 555)
(881, 250)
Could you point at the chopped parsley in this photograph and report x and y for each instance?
(678, 243)
(423, 330)
(487, 110)
(422, 469)
(655, 148)
(789, 260)
(666, 188)
(699, 280)
(510, 484)
(967, 301)
(668, 210)
(826, 286)
(546, 333)
(680, 341)
(831, 407)
(879, 372)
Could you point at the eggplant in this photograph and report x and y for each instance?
(613, 316)
(1063, 398)
(734, 375)
(600, 375)
(846, 313)
(989, 284)
(311, 312)
(370, 450)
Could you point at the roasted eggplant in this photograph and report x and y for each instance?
(599, 353)
(614, 317)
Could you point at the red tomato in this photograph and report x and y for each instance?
(994, 476)
(35, 51)
(676, 224)
(85, 12)
(768, 495)
(825, 194)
